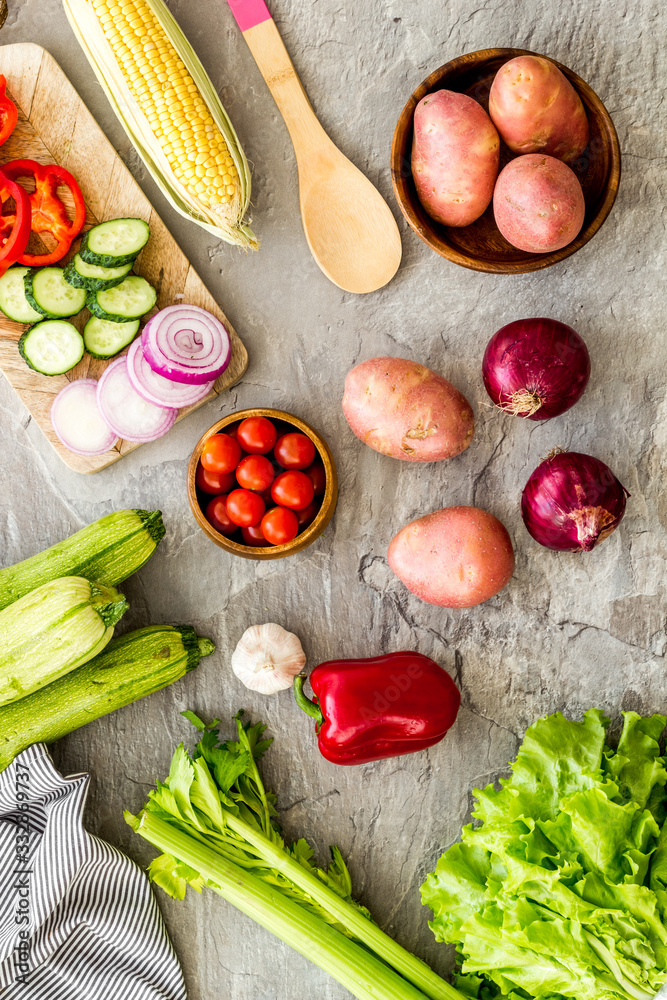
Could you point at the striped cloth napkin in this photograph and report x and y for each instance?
(78, 920)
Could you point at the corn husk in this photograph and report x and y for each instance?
(227, 222)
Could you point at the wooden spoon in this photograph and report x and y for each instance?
(350, 230)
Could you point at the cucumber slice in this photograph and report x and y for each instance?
(92, 277)
(129, 300)
(51, 347)
(47, 291)
(104, 339)
(12, 297)
(114, 243)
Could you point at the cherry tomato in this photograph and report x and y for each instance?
(245, 508)
(221, 453)
(216, 513)
(256, 435)
(255, 472)
(318, 477)
(279, 525)
(254, 536)
(214, 482)
(307, 515)
(292, 489)
(294, 451)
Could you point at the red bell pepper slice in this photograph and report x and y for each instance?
(14, 228)
(8, 112)
(384, 706)
(49, 214)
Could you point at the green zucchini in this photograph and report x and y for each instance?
(106, 552)
(114, 243)
(92, 277)
(52, 630)
(131, 667)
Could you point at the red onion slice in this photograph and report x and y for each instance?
(156, 388)
(186, 344)
(127, 413)
(77, 420)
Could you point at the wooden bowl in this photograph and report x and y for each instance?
(480, 246)
(306, 537)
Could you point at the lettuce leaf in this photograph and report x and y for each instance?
(559, 886)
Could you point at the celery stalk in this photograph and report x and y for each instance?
(409, 966)
(214, 817)
(364, 975)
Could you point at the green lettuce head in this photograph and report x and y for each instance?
(559, 886)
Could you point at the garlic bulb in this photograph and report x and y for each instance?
(268, 658)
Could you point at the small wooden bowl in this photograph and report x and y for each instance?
(480, 246)
(306, 537)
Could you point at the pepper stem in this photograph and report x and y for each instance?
(309, 707)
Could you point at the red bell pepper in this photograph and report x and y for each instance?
(384, 706)
(14, 228)
(49, 214)
(8, 112)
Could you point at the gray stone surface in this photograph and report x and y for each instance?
(569, 631)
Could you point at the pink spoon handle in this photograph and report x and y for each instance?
(249, 13)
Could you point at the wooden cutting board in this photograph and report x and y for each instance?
(55, 126)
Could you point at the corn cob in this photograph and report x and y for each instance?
(169, 109)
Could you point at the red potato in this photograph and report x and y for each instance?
(537, 110)
(538, 203)
(407, 411)
(454, 157)
(456, 557)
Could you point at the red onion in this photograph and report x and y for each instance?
(77, 420)
(536, 368)
(127, 413)
(572, 501)
(156, 388)
(186, 344)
